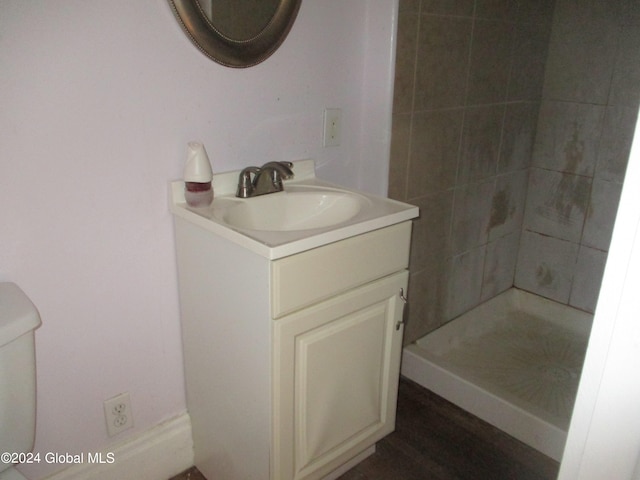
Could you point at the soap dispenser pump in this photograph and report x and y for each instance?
(197, 176)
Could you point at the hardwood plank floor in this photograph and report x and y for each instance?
(435, 440)
(191, 474)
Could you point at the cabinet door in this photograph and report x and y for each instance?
(336, 368)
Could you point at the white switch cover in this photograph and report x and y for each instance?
(332, 126)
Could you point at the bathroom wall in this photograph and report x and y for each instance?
(468, 83)
(98, 102)
(585, 127)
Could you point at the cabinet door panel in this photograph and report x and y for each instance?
(339, 381)
(336, 373)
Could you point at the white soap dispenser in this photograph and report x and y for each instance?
(197, 176)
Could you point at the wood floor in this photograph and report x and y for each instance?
(435, 440)
(191, 474)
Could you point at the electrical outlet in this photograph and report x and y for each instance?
(332, 127)
(118, 414)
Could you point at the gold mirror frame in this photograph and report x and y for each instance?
(229, 52)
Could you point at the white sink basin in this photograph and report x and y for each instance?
(294, 209)
(309, 213)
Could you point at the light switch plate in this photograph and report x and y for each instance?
(332, 127)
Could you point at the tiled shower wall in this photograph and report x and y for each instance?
(585, 128)
(469, 78)
(469, 85)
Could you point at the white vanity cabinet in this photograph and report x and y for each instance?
(291, 364)
(336, 363)
(335, 368)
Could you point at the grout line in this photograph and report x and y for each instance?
(413, 100)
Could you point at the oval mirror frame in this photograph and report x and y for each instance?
(229, 52)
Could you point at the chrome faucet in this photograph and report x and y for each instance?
(254, 181)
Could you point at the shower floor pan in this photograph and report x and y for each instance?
(514, 361)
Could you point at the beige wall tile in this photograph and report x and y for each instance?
(587, 278)
(581, 60)
(625, 84)
(399, 156)
(471, 216)
(567, 137)
(500, 265)
(518, 135)
(615, 142)
(557, 204)
(427, 300)
(465, 283)
(403, 90)
(449, 7)
(601, 215)
(434, 151)
(497, 9)
(507, 206)
(490, 62)
(584, 68)
(536, 11)
(480, 144)
(431, 232)
(531, 45)
(443, 53)
(546, 266)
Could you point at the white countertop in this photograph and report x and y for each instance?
(381, 212)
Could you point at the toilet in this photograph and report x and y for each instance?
(18, 320)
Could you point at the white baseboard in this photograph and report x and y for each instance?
(157, 454)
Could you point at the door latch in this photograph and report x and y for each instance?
(404, 309)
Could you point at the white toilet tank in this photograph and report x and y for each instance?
(18, 320)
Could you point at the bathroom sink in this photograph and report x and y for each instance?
(297, 208)
(309, 213)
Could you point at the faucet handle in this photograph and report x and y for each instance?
(284, 169)
(245, 183)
